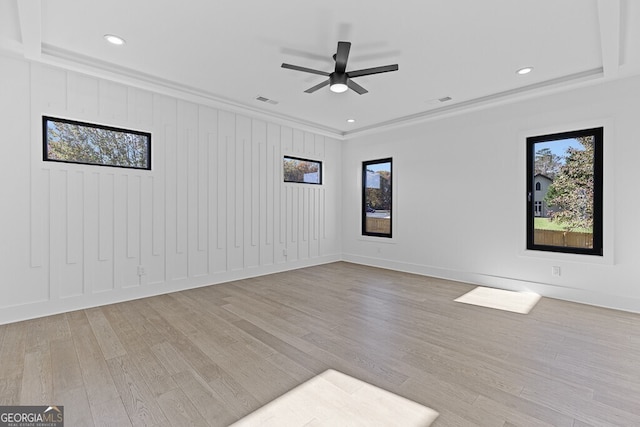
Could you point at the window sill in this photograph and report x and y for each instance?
(567, 257)
(377, 239)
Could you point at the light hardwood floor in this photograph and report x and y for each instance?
(210, 356)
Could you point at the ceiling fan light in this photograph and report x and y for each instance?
(339, 87)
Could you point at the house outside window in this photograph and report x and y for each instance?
(542, 183)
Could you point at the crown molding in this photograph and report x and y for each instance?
(60, 58)
(560, 84)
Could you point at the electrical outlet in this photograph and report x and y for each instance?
(284, 252)
(141, 271)
(555, 271)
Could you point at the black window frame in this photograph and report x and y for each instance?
(45, 142)
(598, 161)
(364, 198)
(320, 177)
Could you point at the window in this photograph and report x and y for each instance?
(565, 214)
(303, 171)
(75, 142)
(537, 208)
(376, 198)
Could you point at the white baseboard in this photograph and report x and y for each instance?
(37, 309)
(599, 299)
(50, 307)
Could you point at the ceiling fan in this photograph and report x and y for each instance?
(340, 80)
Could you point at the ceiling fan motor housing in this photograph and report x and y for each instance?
(338, 82)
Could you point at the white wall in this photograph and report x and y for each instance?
(459, 197)
(213, 208)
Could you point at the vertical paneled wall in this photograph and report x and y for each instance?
(212, 208)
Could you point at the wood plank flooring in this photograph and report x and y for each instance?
(209, 356)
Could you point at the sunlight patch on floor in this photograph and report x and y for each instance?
(335, 399)
(500, 299)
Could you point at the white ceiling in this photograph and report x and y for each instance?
(230, 51)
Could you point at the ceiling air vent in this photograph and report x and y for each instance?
(267, 100)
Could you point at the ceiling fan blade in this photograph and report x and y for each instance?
(356, 87)
(305, 70)
(341, 56)
(374, 70)
(318, 86)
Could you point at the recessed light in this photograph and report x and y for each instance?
(351, 120)
(118, 41)
(525, 70)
